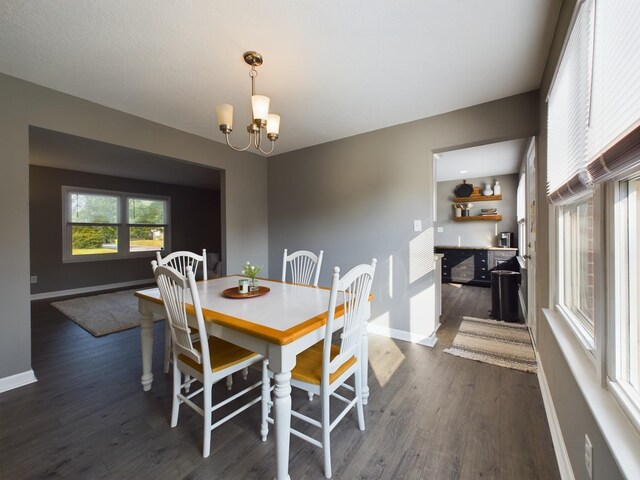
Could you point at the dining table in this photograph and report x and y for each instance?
(278, 325)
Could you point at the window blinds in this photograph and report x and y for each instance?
(594, 102)
(568, 108)
(614, 133)
(615, 105)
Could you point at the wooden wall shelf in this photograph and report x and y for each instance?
(477, 198)
(479, 218)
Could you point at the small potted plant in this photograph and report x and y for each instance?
(252, 272)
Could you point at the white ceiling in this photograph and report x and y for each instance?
(332, 68)
(500, 158)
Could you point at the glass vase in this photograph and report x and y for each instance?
(253, 285)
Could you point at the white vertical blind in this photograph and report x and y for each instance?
(615, 107)
(568, 103)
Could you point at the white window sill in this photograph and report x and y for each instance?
(586, 340)
(619, 433)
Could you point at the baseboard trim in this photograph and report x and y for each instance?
(523, 304)
(562, 456)
(95, 288)
(388, 332)
(17, 380)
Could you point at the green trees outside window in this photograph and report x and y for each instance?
(143, 212)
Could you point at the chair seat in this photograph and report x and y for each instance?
(223, 355)
(309, 365)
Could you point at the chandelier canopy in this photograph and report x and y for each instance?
(261, 119)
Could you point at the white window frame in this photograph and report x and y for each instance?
(587, 340)
(617, 284)
(123, 225)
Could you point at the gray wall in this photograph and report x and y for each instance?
(244, 193)
(476, 234)
(195, 224)
(574, 415)
(357, 198)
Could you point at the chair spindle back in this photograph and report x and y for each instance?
(302, 265)
(353, 290)
(182, 259)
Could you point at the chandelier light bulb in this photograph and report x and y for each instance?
(260, 107)
(273, 125)
(224, 112)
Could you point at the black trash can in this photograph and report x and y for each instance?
(504, 295)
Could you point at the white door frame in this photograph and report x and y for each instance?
(530, 255)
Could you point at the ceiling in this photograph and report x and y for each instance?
(500, 158)
(332, 68)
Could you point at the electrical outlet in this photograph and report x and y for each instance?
(588, 456)
(417, 225)
(440, 229)
(34, 279)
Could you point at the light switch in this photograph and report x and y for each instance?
(417, 225)
(440, 229)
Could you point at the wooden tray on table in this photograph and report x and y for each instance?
(234, 293)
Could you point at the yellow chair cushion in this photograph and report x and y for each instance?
(223, 354)
(309, 364)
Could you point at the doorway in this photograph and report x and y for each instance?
(480, 230)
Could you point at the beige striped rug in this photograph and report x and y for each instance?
(499, 343)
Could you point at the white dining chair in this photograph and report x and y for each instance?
(180, 260)
(204, 361)
(325, 367)
(303, 265)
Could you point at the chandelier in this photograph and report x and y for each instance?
(261, 119)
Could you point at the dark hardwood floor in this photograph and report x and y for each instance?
(430, 415)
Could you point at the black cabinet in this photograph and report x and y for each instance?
(473, 265)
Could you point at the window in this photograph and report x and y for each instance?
(93, 220)
(627, 371)
(577, 270)
(146, 221)
(103, 225)
(631, 330)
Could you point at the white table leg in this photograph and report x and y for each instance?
(146, 338)
(364, 365)
(364, 346)
(282, 422)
